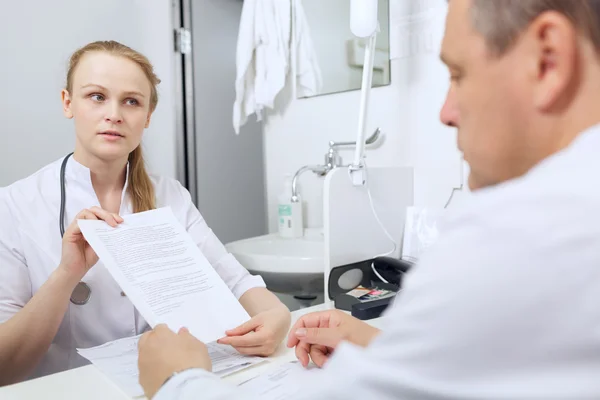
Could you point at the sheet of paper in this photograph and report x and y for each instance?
(118, 360)
(164, 273)
(226, 360)
(282, 382)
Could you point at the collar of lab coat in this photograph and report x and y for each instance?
(81, 174)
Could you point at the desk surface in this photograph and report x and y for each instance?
(89, 383)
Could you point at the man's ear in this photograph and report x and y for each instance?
(555, 40)
(66, 101)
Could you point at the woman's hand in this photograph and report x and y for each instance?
(316, 335)
(261, 335)
(77, 255)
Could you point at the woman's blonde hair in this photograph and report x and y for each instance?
(140, 186)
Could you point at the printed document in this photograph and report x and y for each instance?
(118, 360)
(284, 382)
(164, 274)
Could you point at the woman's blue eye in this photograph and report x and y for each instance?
(132, 102)
(97, 97)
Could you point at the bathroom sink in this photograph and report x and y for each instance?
(291, 266)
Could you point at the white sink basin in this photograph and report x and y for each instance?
(292, 266)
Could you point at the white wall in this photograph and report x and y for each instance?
(407, 111)
(36, 40)
(329, 23)
(155, 41)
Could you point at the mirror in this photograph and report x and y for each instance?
(340, 54)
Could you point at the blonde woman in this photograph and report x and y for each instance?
(54, 294)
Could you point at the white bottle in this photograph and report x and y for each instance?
(289, 212)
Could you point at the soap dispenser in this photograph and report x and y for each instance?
(290, 212)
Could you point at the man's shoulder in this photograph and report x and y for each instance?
(505, 242)
(538, 216)
(550, 197)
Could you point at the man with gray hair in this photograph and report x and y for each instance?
(506, 304)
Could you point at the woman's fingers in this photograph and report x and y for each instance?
(74, 229)
(251, 339)
(94, 213)
(254, 351)
(86, 214)
(110, 218)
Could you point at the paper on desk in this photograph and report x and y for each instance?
(164, 273)
(282, 382)
(118, 360)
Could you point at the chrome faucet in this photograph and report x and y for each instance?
(332, 160)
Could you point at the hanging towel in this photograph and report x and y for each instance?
(272, 33)
(308, 80)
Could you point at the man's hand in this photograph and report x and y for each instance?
(261, 335)
(163, 352)
(316, 335)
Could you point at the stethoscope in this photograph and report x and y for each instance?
(82, 292)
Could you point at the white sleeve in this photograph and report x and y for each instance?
(15, 284)
(237, 278)
(197, 384)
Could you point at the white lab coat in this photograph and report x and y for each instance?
(30, 250)
(504, 306)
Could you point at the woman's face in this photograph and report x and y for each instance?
(110, 104)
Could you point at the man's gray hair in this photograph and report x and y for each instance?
(502, 21)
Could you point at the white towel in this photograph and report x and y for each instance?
(308, 74)
(265, 51)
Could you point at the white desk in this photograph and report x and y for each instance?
(90, 384)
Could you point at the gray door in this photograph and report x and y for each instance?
(230, 176)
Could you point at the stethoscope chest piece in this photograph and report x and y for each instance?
(81, 294)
